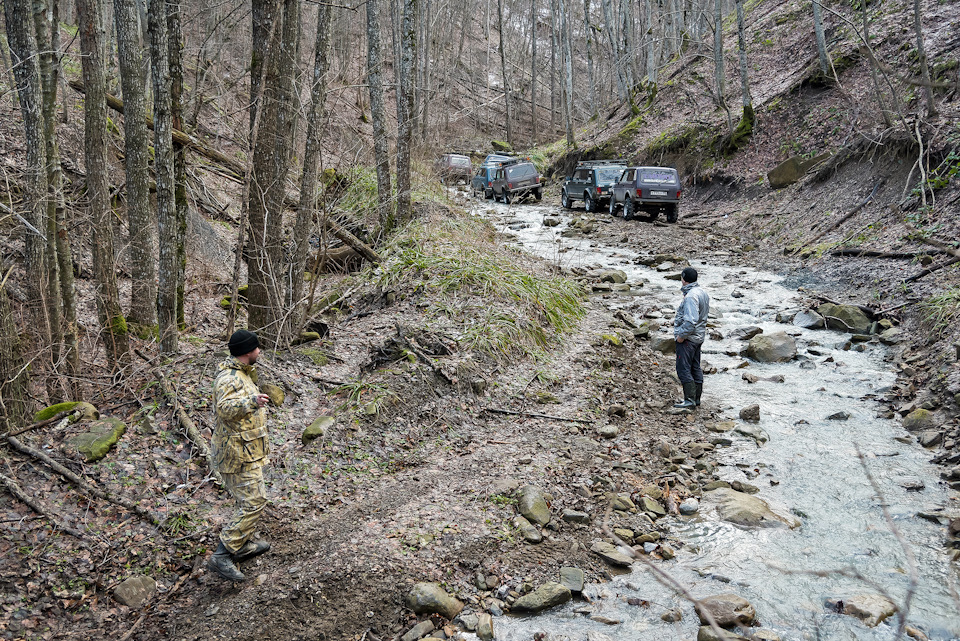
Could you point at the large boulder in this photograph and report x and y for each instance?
(99, 438)
(317, 429)
(546, 596)
(846, 318)
(869, 608)
(429, 598)
(778, 347)
(135, 591)
(613, 276)
(920, 420)
(744, 509)
(727, 610)
(809, 320)
(572, 578)
(79, 410)
(532, 505)
(663, 343)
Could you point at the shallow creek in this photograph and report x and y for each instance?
(809, 468)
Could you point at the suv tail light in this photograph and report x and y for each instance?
(599, 190)
(489, 183)
(538, 180)
(678, 194)
(639, 193)
(509, 185)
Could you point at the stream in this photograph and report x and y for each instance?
(809, 467)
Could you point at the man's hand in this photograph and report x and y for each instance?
(261, 399)
(680, 339)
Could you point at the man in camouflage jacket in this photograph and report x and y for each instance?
(240, 450)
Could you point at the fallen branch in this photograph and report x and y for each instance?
(867, 253)
(82, 484)
(27, 500)
(930, 270)
(63, 420)
(535, 415)
(843, 218)
(189, 427)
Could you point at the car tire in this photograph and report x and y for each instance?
(565, 200)
(506, 198)
(538, 194)
(628, 208)
(588, 205)
(488, 194)
(673, 213)
(653, 213)
(612, 207)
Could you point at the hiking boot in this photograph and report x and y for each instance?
(689, 397)
(249, 550)
(222, 563)
(698, 394)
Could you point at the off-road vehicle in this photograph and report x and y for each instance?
(483, 179)
(651, 190)
(516, 179)
(591, 182)
(452, 168)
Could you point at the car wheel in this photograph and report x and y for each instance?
(506, 198)
(588, 204)
(612, 207)
(538, 194)
(672, 213)
(565, 200)
(488, 194)
(628, 208)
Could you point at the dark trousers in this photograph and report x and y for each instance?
(688, 363)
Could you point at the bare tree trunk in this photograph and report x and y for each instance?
(924, 67)
(652, 62)
(610, 27)
(503, 72)
(568, 72)
(821, 39)
(141, 221)
(425, 70)
(381, 149)
(98, 196)
(307, 207)
(533, 72)
(626, 31)
(408, 46)
(553, 64)
(887, 118)
(591, 86)
(175, 51)
(742, 45)
(718, 71)
(15, 402)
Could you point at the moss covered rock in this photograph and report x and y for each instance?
(97, 441)
(317, 429)
(276, 394)
(920, 420)
(89, 412)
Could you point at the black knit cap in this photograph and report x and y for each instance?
(689, 275)
(243, 342)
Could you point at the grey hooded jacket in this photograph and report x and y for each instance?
(691, 320)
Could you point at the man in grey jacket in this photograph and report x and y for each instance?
(690, 330)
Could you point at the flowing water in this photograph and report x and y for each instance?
(809, 467)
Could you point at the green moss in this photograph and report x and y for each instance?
(53, 410)
(118, 325)
(743, 131)
(317, 356)
(145, 332)
(499, 145)
(674, 140)
(612, 339)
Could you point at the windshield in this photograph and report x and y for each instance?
(657, 176)
(519, 171)
(459, 161)
(609, 174)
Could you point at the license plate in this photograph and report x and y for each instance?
(657, 192)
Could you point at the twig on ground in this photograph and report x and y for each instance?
(535, 415)
(17, 492)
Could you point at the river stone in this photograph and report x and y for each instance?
(716, 485)
(809, 320)
(276, 394)
(920, 420)
(652, 506)
(532, 505)
(727, 610)
(663, 343)
(745, 333)
(750, 413)
(778, 347)
(135, 591)
(467, 622)
(689, 506)
(742, 509)
(869, 608)
(839, 416)
(722, 426)
(613, 276)
(672, 616)
(891, 336)
(100, 437)
(765, 635)
(611, 554)
(427, 598)
(546, 596)
(622, 503)
(418, 631)
(846, 318)
(317, 429)
(930, 438)
(608, 431)
(485, 627)
(551, 221)
(572, 579)
(529, 532)
(706, 633)
(573, 516)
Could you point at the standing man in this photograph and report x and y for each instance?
(240, 449)
(690, 330)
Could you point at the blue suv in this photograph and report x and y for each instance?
(483, 179)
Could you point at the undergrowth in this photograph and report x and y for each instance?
(942, 311)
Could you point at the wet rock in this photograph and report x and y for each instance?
(750, 413)
(551, 221)
(611, 554)
(911, 483)
(920, 420)
(809, 320)
(276, 394)
(672, 616)
(716, 485)
(753, 432)
(135, 591)
(533, 505)
(689, 506)
(100, 436)
(765, 635)
(597, 636)
(743, 509)
(722, 427)
(609, 431)
(485, 627)
(808, 365)
(612, 276)
(527, 530)
(745, 333)
(467, 622)
(429, 598)
(652, 506)
(845, 318)
(839, 416)
(778, 347)
(891, 336)
(605, 620)
(572, 579)
(726, 609)
(869, 608)
(930, 438)
(573, 516)
(418, 631)
(663, 343)
(546, 596)
(746, 488)
(667, 552)
(707, 633)
(317, 429)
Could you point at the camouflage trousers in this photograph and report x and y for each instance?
(250, 493)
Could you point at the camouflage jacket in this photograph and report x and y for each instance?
(240, 436)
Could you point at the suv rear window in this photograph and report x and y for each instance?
(606, 174)
(520, 171)
(656, 176)
(459, 161)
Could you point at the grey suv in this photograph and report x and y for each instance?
(516, 179)
(591, 182)
(647, 189)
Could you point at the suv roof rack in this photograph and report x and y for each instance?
(592, 163)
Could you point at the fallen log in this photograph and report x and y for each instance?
(866, 253)
(493, 410)
(930, 270)
(939, 245)
(17, 492)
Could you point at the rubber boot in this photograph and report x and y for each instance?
(222, 563)
(249, 550)
(689, 397)
(699, 393)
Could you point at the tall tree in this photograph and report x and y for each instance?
(307, 207)
(141, 221)
(611, 28)
(718, 70)
(652, 62)
(567, 71)
(503, 72)
(922, 55)
(98, 196)
(533, 72)
(175, 53)
(874, 76)
(408, 46)
(381, 149)
(744, 77)
(822, 54)
(15, 401)
(591, 87)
